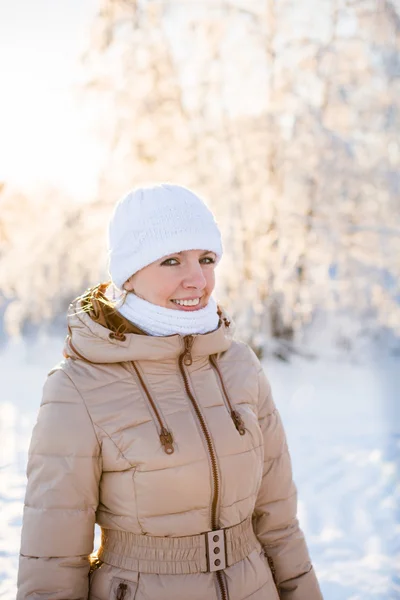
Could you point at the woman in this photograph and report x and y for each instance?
(162, 429)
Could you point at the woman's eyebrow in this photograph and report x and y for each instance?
(203, 254)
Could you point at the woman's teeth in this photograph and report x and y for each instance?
(194, 302)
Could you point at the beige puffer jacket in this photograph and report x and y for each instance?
(160, 440)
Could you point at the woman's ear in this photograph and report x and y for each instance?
(128, 285)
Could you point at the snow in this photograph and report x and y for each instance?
(343, 427)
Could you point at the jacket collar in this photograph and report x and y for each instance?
(91, 339)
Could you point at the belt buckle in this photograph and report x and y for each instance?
(215, 550)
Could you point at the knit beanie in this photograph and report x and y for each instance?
(155, 221)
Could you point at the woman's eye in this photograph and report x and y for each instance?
(209, 260)
(169, 262)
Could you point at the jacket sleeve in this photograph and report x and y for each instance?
(274, 517)
(64, 469)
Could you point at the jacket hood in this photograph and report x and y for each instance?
(97, 333)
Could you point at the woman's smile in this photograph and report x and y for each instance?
(188, 304)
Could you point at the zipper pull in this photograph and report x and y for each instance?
(237, 419)
(187, 357)
(121, 591)
(167, 441)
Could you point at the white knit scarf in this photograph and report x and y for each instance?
(159, 321)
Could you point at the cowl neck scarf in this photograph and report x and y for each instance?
(160, 321)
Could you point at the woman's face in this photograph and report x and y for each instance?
(183, 276)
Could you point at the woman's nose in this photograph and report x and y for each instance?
(194, 278)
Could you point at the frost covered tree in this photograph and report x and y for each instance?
(51, 249)
(285, 116)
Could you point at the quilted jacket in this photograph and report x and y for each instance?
(157, 437)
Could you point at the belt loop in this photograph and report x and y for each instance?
(216, 550)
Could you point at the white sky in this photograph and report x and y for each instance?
(43, 138)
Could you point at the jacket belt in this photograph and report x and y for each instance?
(203, 553)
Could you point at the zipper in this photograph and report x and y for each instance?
(235, 416)
(222, 585)
(165, 435)
(185, 359)
(271, 566)
(187, 355)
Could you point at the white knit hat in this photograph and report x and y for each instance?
(152, 222)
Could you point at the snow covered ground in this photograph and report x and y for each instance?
(343, 426)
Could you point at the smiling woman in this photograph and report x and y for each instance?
(164, 245)
(162, 429)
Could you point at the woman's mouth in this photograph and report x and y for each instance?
(191, 304)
